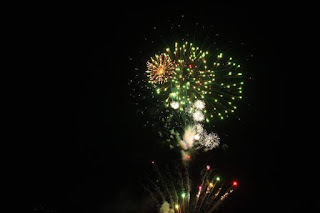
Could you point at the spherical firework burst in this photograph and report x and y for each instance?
(209, 141)
(160, 69)
(199, 104)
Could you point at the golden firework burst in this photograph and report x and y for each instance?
(160, 68)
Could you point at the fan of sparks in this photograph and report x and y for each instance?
(176, 192)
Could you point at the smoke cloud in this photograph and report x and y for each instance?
(165, 208)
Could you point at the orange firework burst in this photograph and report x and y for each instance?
(160, 68)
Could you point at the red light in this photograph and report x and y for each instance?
(152, 162)
(190, 66)
(235, 183)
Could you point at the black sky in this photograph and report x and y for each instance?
(89, 148)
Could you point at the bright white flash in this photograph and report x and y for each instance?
(197, 137)
(174, 105)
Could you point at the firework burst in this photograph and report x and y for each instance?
(160, 69)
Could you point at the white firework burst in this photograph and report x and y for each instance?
(210, 141)
(198, 116)
(199, 104)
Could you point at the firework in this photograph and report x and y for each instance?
(186, 84)
(160, 69)
(198, 116)
(186, 74)
(188, 138)
(177, 192)
(190, 87)
(210, 141)
(195, 138)
(174, 104)
(198, 104)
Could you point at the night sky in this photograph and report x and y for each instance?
(89, 148)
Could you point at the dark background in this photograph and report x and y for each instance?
(89, 149)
